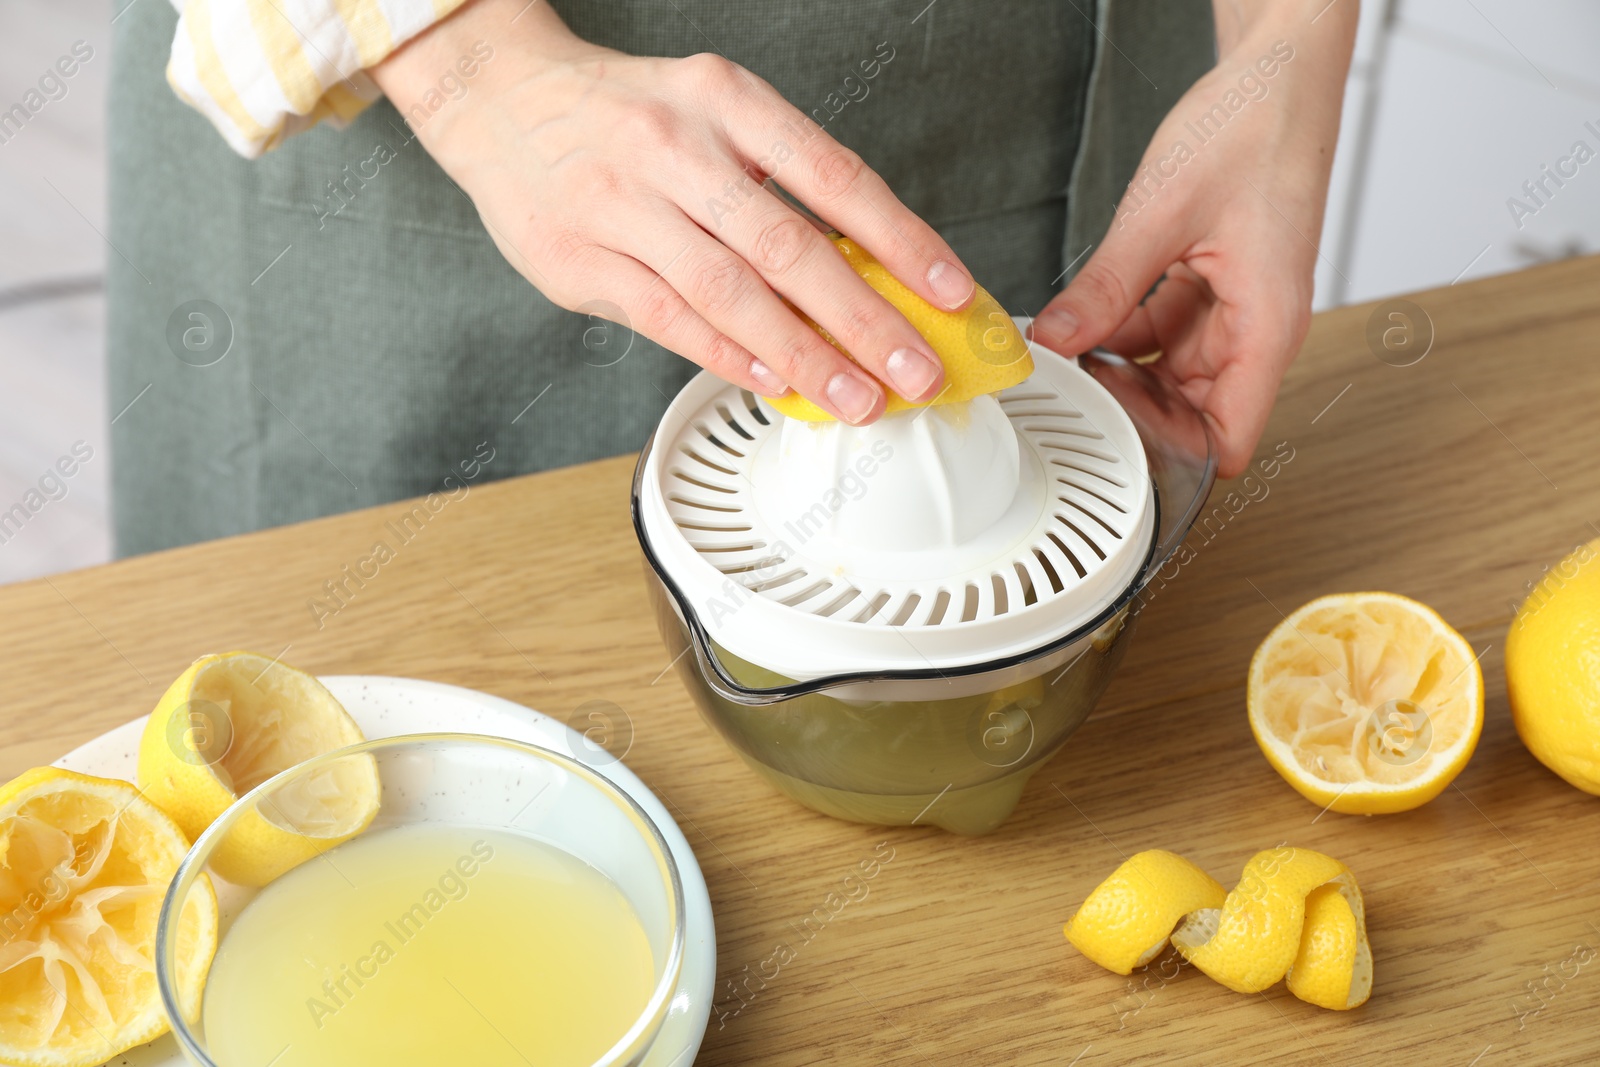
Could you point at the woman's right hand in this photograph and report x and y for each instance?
(609, 179)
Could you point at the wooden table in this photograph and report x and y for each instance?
(1453, 481)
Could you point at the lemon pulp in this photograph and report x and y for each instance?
(84, 863)
(425, 945)
(1366, 703)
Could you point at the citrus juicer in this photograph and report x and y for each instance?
(900, 623)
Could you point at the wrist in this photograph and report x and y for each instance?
(1246, 23)
(1320, 36)
(1306, 58)
(482, 45)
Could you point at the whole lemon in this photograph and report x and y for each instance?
(1553, 669)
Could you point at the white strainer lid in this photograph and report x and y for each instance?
(790, 595)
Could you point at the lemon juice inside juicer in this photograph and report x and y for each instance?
(899, 623)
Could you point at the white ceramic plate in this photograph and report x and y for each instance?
(388, 707)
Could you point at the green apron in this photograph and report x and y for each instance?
(272, 361)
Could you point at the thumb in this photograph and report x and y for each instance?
(1133, 256)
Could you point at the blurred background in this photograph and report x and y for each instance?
(1451, 106)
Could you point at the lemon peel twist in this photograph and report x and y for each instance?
(1126, 921)
(1296, 914)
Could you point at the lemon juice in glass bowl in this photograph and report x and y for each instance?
(503, 905)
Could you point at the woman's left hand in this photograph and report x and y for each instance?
(1222, 217)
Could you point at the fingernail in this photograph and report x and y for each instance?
(774, 385)
(949, 283)
(911, 373)
(1057, 321)
(851, 397)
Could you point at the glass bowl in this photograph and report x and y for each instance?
(438, 794)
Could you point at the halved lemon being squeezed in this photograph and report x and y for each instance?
(1366, 703)
(84, 864)
(981, 348)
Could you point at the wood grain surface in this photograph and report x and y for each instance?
(1453, 480)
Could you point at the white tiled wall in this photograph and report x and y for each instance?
(1468, 99)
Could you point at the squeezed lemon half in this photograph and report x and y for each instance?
(1296, 915)
(84, 864)
(981, 348)
(1366, 703)
(230, 722)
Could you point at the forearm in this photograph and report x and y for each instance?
(1332, 25)
(1318, 37)
(1320, 34)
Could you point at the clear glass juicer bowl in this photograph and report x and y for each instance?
(471, 782)
(952, 747)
